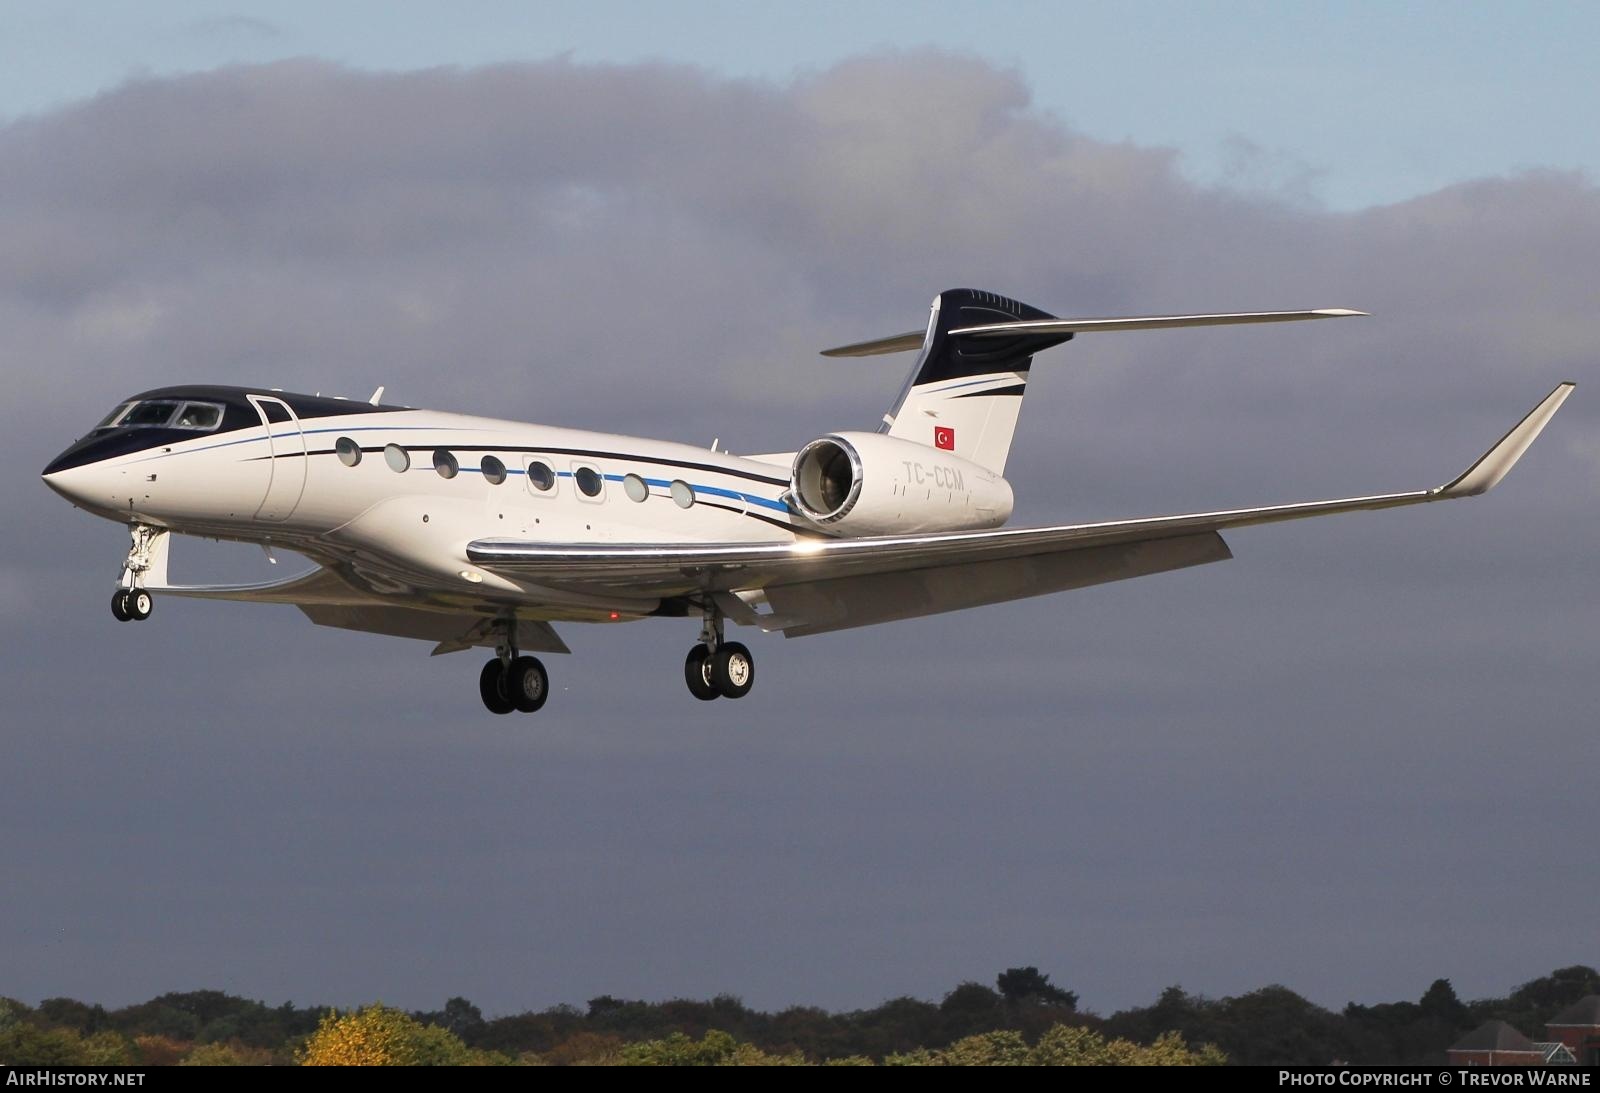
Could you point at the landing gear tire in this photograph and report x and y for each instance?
(733, 670)
(131, 604)
(491, 688)
(526, 684)
(697, 674)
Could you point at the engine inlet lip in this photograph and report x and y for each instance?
(849, 502)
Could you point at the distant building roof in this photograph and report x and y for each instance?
(1493, 1036)
(1584, 1012)
(1556, 1053)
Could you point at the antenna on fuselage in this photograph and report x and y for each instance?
(376, 395)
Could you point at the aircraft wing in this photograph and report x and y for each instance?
(317, 586)
(453, 632)
(819, 585)
(329, 598)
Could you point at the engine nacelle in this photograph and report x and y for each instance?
(870, 484)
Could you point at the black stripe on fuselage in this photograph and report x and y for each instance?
(582, 453)
(763, 517)
(711, 468)
(1015, 389)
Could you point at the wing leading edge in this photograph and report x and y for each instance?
(816, 586)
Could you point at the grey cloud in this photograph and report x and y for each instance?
(1277, 769)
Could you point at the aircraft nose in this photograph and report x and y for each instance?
(95, 474)
(58, 464)
(73, 483)
(79, 475)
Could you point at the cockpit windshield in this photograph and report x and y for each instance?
(164, 413)
(111, 418)
(148, 413)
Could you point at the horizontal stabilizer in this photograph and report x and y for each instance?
(1144, 322)
(912, 339)
(899, 343)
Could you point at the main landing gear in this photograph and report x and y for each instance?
(512, 682)
(132, 603)
(715, 668)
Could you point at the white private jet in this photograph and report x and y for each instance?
(472, 531)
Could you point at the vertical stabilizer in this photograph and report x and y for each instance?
(964, 393)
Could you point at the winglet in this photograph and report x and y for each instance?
(1497, 462)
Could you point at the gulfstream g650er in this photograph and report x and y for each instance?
(472, 531)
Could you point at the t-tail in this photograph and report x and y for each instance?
(965, 391)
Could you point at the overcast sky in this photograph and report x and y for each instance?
(1354, 759)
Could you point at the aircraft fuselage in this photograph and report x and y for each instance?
(405, 490)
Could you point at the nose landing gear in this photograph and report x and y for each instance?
(131, 602)
(716, 668)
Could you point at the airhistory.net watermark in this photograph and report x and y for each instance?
(44, 1077)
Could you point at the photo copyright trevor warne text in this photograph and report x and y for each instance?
(1435, 1077)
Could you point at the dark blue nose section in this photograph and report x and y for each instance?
(112, 443)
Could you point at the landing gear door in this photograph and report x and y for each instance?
(287, 463)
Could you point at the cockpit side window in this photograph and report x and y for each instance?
(148, 413)
(203, 416)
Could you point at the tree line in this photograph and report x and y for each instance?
(1023, 1019)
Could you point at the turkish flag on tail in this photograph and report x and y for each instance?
(944, 437)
